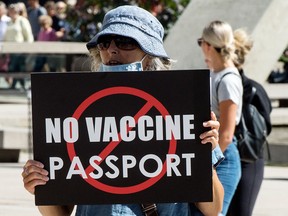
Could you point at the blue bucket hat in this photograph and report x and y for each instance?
(137, 23)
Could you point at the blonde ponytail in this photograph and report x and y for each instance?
(243, 44)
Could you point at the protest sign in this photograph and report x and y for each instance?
(124, 137)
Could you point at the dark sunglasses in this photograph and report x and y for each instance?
(200, 41)
(121, 42)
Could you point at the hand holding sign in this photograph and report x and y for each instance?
(34, 175)
(211, 136)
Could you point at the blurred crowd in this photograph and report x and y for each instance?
(20, 22)
(56, 20)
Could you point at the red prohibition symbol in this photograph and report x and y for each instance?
(150, 102)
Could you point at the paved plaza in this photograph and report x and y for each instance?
(15, 200)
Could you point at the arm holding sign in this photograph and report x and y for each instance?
(211, 208)
(56, 210)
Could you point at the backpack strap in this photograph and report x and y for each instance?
(253, 93)
(218, 84)
(149, 209)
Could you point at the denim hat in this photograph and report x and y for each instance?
(137, 23)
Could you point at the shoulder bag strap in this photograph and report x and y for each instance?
(149, 209)
(218, 84)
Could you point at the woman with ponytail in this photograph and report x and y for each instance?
(218, 46)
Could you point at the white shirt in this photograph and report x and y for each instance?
(230, 88)
(3, 25)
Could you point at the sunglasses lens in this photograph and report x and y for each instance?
(123, 43)
(200, 41)
(103, 45)
(126, 43)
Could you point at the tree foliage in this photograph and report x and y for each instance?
(86, 16)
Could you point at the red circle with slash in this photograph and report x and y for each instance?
(151, 102)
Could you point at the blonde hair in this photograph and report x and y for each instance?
(156, 63)
(243, 44)
(14, 7)
(22, 9)
(45, 19)
(219, 35)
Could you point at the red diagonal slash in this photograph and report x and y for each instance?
(151, 101)
(112, 145)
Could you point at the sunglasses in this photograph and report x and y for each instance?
(121, 42)
(200, 41)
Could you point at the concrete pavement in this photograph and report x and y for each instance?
(15, 200)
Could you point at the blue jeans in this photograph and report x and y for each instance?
(163, 209)
(229, 173)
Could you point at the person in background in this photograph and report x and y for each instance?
(22, 9)
(124, 43)
(218, 46)
(4, 19)
(56, 62)
(61, 8)
(18, 30)
(51, 11)
(61, 14)
(252, 173)
(35, 10)
(47, 33)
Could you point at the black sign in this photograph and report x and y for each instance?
(128, 137)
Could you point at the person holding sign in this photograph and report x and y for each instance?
(132, 40)
(218, 46)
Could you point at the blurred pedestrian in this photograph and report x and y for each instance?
(22, 9)
(51, 11)
(18, 30)
(61, 14)
(4, 19)
(47, 33)
(35, 10)
(218, 47)
(252, 176)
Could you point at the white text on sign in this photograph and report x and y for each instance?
(104, 129)
(128, 162)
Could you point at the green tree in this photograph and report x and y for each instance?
(85, 18)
